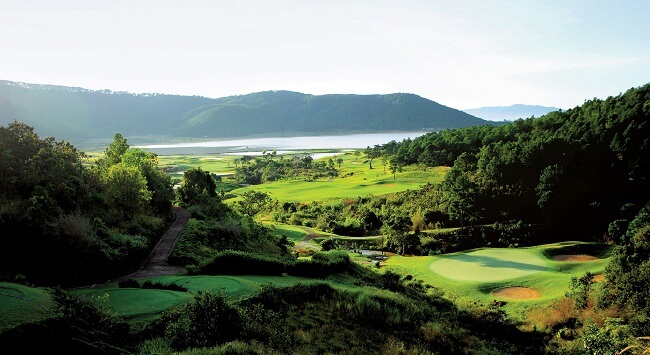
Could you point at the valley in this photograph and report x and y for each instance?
(526, 237)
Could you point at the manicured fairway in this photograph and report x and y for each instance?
(363, 183)
(176, 165)
(293, 233)
(20, 304)
(476, 275)
(355, 179)
(489, 265)
(138, 305)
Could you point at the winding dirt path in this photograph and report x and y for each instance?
(157, 264)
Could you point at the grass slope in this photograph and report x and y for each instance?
(142, 305)
(473, 275)
(355, 179)
(22, 304)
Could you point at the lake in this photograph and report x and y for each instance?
(255, 146)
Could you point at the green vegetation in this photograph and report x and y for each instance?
(294, 234)
(475, 251)
(354, 179)
(77, 222)
(473, 275)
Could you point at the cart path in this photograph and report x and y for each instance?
(311, 234)
(157, 264)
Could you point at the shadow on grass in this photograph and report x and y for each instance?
(599, 250)
(496, 263)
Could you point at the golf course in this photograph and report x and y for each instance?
(521, 277)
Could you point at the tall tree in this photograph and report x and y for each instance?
(462, 190)
(253, 202)
(395, 229)
(158, 182)
(395, 166)
(126, 190)
(113, 153)
(197, 184)
(372, 153)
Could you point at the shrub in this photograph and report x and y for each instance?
(277, 298)
(322, 264)
(232, 262)
(131, 283)
(155, 346)
(208, 321)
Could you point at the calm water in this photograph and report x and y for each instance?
(255, 146)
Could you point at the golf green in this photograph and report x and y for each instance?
(488, 265)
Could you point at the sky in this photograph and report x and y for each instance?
(462, 54)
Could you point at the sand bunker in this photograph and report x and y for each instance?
(517, 293)
(575, 258)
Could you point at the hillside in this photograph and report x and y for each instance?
(510, 113)
(78, 115)
(518, 201)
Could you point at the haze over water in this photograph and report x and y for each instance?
(353, 141)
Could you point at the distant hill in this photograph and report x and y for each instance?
(77, 114)
(510, 113)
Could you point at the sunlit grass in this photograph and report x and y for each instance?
(355, 179)
(219, 164)
(355, 176)
(474, 275)
(293, 233)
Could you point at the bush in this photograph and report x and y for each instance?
(232, 262)
(322, 264)
(277, 298)
(382, 310)
(208, 321)
(131, 283)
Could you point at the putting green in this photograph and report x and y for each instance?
(135, 302)
(490, 264)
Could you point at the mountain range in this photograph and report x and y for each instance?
(77, 115)
(510, 113)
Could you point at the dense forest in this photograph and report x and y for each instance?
(80, 115)
(578, 174)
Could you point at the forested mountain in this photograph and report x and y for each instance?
(510, 113)
(77, 114)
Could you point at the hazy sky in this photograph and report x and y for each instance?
(463, 54)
